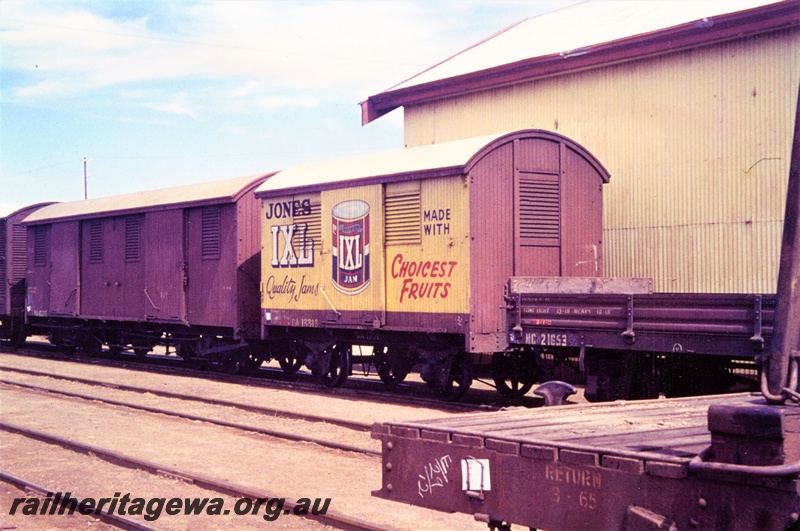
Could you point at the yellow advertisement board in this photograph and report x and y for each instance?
(350, 255)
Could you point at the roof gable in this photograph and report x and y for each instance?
(585, 35)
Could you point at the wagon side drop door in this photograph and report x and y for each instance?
(37, 272)
(211, 279)
(63, 263)
(164, 290)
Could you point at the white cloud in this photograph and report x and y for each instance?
(177, 104)
(347, 45)
(118, 80)
(266, 50)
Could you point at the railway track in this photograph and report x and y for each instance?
(410, 393)
(357, 426)
(212, 485)
(211, 420)
(228, 458)
(117, 520)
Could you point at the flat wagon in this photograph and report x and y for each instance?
(725, 462)
(176, 266)
(636, 344)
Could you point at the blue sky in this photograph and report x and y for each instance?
(161, 93)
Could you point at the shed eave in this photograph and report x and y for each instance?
(740, 24)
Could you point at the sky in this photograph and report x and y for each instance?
(159, 93)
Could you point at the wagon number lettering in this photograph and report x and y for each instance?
(546, 339)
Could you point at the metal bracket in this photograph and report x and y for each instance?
(518, 325)
(629, 333)
(757, 340)
(474, 494)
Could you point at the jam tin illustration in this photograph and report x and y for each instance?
(351, 246)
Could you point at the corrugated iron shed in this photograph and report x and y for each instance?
(195, 194)
(586, 35)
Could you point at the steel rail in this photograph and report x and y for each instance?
(118, 520)
(199, 418)
(332, 518)
(350, 424)
(262, 380)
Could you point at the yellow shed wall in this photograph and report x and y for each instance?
(697, 144)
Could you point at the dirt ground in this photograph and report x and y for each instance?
(281, 468)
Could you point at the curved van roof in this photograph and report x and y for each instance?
(435, 160)
(226, 191)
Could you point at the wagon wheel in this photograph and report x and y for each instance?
(18, 334)
(459, 380)
(392, 366)
(63, 340)
(514, 372)
(253, 361)
(291, 355)
(143, 345)
(184, 350)
(289, 363)
(91, 346)
(391, 376)
(338, 367)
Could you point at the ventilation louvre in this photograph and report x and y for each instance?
(403, 207)
(133, 238)
(211, 229)
(539, 211)
(96, 250)
(313, 222)
(18, 251)
(40, 246)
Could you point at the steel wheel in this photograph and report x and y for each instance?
(338, 367)
(91, 346)
(289, 363)
(514, 373)
(390, 376)
(392, 366)
(459, 381)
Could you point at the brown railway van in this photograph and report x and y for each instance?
(13, 252)
(179, 265)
